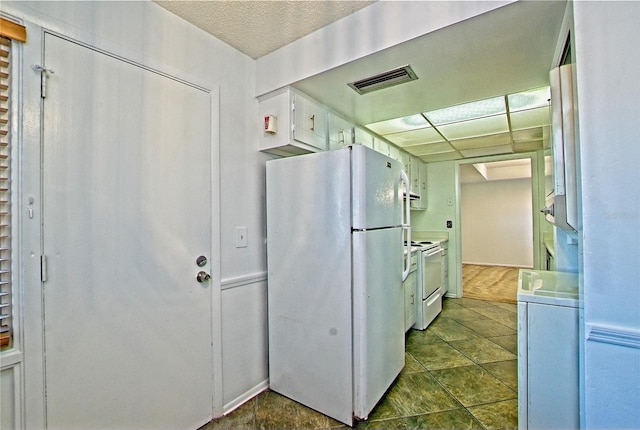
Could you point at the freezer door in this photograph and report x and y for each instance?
(377, 196)
(378, 306)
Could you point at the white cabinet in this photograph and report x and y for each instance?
(340, 132)
(410, 286)
(380, 146)
(418, 183)
(301, 123)
(310, 122)
(362, 137)
(548, 377)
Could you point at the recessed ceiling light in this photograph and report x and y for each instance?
(467, 111)
(529, 99)
(396, 125)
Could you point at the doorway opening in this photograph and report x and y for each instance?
(497, 226)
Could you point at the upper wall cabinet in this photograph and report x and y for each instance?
(340, 132)
(362, 137)
(292, 123)
(418, 176)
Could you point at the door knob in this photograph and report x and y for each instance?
(202, 277)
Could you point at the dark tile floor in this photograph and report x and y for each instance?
(460, 373)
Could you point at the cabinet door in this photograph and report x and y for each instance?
(381, 146)
(310, 122)
(361, 137)
(410, 286)
(340, 132)
(419, 183)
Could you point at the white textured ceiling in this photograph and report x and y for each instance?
(257, 28)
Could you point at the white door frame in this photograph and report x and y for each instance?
(32, 398)
(536, 196)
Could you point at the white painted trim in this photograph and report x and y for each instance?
(216, 259)
(242, 280)
(497, 265)
(457, 227)
(244, 397)
(618, 336)
(10, 358)
(34, 407)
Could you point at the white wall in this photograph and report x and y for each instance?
(497, 225)
(143, 32)
(606, 34)
(441, 187)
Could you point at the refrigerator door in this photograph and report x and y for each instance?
(378, 319)
(377, 196)
(309, 281)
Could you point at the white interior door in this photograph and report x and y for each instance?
(126, 212)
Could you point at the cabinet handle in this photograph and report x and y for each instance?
(313, 122)
(342, 136)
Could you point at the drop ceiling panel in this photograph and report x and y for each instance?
(482, 142)
(530, 118)
(415, 137)
(528, 134)
(443, 156)
(528, 146)
(432, 148)
(529, 99)
(477, 127)
(493, 150)
(410, 122)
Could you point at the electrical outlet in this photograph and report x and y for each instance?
(449, 224)
(241, 237)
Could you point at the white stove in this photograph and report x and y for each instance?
(429, 285)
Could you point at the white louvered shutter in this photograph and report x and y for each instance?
(6, 304)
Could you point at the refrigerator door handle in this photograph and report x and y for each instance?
(406, 224)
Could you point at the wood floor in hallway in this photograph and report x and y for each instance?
(496, 283)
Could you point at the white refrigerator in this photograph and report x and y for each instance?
(336, 227)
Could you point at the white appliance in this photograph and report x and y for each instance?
(430, 290)
(548, 336)
(335, 256)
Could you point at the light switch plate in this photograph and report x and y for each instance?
(241, 237)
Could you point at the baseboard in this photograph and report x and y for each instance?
(245, 397)
(497, 265)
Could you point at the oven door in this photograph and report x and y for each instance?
(431, 271)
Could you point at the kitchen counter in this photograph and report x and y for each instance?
(546, 287)
(433, 236)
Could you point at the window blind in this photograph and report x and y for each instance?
(10, 32)
(6, 303)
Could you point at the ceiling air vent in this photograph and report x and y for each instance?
(387, 79)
